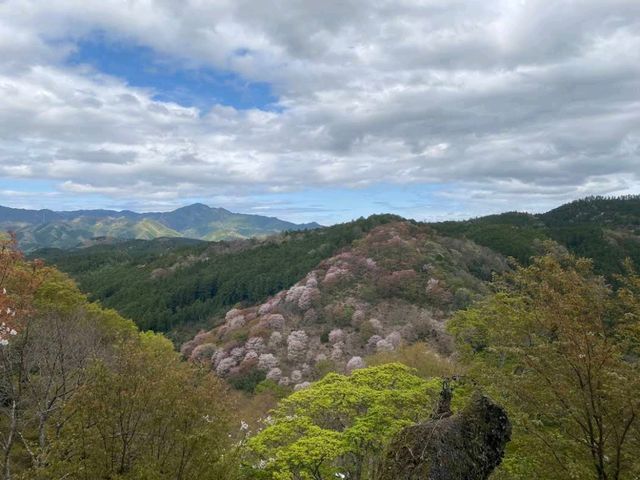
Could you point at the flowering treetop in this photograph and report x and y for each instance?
(19, 281)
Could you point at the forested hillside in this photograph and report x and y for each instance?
(606, 230)
(168, 284)
(395, 286)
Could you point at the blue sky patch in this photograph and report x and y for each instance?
(141, 66)
(27, 185)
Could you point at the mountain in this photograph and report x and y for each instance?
(47, 228)
(205, 223)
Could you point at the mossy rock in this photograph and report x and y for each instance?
(466, 446)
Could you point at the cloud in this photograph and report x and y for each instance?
(512, 103)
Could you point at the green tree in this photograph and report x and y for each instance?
(40, 355)
(85, 395)
(559, 348)
(341, 424)
(145, 415)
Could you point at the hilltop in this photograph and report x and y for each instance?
(606, 230)
(48, 228)
(395, 286)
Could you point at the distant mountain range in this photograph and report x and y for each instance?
(48, 228)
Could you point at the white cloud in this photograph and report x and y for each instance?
(514, 102)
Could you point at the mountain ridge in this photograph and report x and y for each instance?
(604, 229)
(47, 228)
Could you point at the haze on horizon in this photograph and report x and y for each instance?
(318, 111)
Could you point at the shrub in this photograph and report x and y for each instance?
(247, 381)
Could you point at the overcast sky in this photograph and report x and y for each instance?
(318, 110)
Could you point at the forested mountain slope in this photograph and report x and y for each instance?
(168, 284)
(47, 228)
(395, 286)
(606, 230)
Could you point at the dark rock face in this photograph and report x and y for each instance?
(466, 446)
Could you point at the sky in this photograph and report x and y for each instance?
(319, 111)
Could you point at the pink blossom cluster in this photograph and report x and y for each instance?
(297, 343)
(309, 296)
(203, 353)
(335, 274)
(267, 361)
(268, 306)
(336, 335)
(354, 363)
(6, 330)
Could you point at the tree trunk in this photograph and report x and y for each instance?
(8, 446)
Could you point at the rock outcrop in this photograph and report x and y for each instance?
(468, 445)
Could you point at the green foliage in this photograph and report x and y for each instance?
(422, 359)
(559, 349)
(324, 367)
(247, 381)
(623, 211)
(271, 387)
(84, 395)
(512, 234)
(341, 424)
(143, 415)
